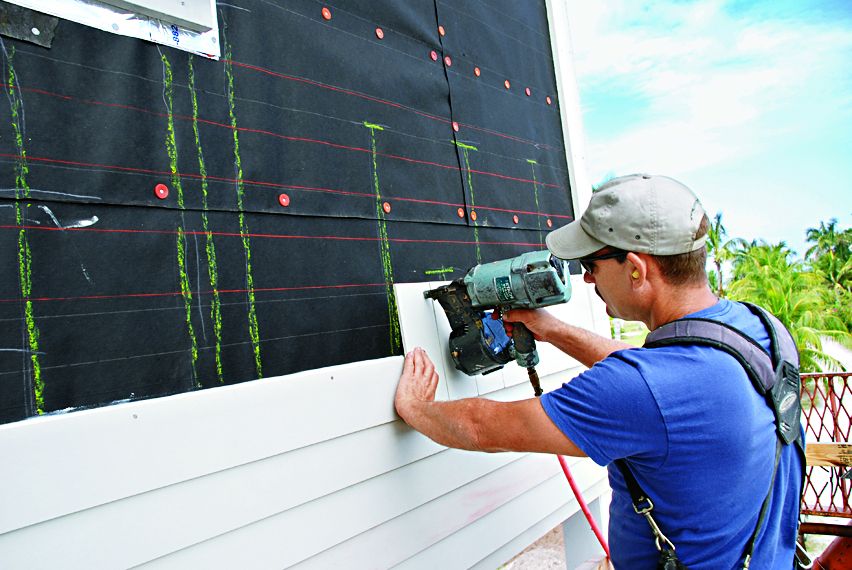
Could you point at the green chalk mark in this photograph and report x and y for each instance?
(463, 145)
(442, 271)
(535, 195)
(25, 262)
(254, 330)
(210, 248)
(466, 154)
(384, 245)
(171, 149)
(373, 126)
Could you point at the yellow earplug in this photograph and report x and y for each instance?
(635, 275)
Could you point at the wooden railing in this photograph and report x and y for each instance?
(826, 412)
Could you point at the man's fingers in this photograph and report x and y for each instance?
(419, 380)
(418, 361)
(408, 364)
(428, 365)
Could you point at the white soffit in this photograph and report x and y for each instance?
(191, 14)
(189, 25)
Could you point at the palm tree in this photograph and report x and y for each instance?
(721, 251)
(827, 238)
(836, 271)
(830, 256)
(766, 275)
(715, 234)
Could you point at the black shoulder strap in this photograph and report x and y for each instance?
(775, 375)
(643, 505)
(781, 342)
(749, 354)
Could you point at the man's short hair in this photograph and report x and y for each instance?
(686, 268)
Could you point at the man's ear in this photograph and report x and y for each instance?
(637, 266)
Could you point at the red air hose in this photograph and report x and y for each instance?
(583, 505)
(577, 495)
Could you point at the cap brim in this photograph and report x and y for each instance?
(572, 242)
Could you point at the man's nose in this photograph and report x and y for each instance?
(588, 277)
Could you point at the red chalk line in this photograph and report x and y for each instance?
(259, 235)
(387, 102)
(266, 184)
(297, 139)
(179, 293)
(181, 117)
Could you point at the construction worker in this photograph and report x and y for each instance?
(696, 435)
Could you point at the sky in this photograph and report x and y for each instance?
(749, 103)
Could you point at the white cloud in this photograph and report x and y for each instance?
(754, 113)
(714, 86)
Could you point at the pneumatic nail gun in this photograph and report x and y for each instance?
(478, 343)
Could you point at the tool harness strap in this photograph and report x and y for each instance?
(775, 376)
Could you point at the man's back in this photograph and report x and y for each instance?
(700, 441)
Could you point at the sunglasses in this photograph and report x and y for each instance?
(588, 263)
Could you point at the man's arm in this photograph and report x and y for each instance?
(581, 344)
(476, 424)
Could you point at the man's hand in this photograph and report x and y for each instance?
(540, 323)
(417, 383)
(476, 424)
(583, 345)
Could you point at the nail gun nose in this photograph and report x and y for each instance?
(536, 383)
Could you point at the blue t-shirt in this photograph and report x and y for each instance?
(700, 441)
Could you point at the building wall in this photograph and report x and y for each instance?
(311, 469)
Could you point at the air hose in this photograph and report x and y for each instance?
(583, 506)
(577, 494)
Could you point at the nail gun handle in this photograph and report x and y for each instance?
(525, 353)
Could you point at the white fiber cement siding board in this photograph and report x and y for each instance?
(411, 538)
(284, 540)
(507, 530)
(353, 515)
(181, 515)
(196, 15)
(67, 463)
(274, 511)
(418, 326)
(425, 325)
(540, 528)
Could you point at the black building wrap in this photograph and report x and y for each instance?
(170, 223)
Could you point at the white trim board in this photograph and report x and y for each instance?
(569, 103)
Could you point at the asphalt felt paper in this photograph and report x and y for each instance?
(170, 223)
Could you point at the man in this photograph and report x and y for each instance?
(695, 433)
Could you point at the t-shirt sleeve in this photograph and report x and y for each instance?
(610, 413)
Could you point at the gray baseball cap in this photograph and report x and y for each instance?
(640, 212)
